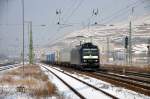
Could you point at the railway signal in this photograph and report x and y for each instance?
(126, 42)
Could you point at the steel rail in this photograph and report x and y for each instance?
(108, 94)
(74, 90)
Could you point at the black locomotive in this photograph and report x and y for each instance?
(85, 56)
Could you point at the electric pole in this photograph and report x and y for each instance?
(31, 54)
(148, 52)
(130, 43)
(130, 37)
(23, 35)
(108, 50)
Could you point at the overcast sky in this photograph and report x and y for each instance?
(73, 12)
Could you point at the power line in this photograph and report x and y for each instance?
(121, 11)
(61, 18)
(73, 11)
(79, 4)
(115, 14)
(72, 6)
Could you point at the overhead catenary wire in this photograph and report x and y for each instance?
(66, 25)
(121, 11)
(132, 11)
(118, 13)
(67, 19)
(89, 19)
(69, 9)
(73, 11)
(64, 22)
(63, 14)
(127, 11)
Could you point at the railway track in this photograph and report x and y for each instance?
(145, 75)
(129, 77)
(2, 68)
(128, 73)
(135, 84)
(81, 95)
(124, 81)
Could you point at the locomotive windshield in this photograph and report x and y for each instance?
(90, 53)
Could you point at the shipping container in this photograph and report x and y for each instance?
(50, 57)
(75, 56)
(65, 55)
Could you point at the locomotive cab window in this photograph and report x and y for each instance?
(90, 53)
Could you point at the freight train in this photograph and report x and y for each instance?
(84, 57)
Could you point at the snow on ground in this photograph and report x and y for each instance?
(10, 91)
(120, 92)
(85, 90)
(65, 93)
(63, 90)
(13, 67)
(114, 33)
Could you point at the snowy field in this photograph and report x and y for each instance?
(36, 84)
(119, 92)
(13, 67)
(63, 92)
(85, 90)
(7, 91)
